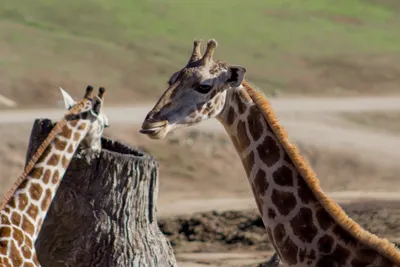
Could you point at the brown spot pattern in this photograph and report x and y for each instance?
(5, 231)
(33, 211)
(12, 202)
(46, 200)
(22, 201)
(82, 126)
(76, 136)
(27, 226)
(256, 128)
(288, 159)
(302, 255)
(70, 149)
(325, 220)
(15, 256)
(54, 160)
(283, 176)
(15, 218)
(302, 225)
(60, 144)
(36, 172)
(23, 185)
(4, 219)
(326, 244)
(18, 236)
(35, 191)
(3, 247)
(304, 192)
(279, 234)
(326, 262)
(243, 139)
(45, 154)
(289, 251)
(386, 263)
(285, 202)
(268, 151)
(56, 177)
(312, 255)
(66, 131)
(340, 255)
(27, 253)
(260, 182)
(46, 176)
(65, 162)
(28, 241)
(366, 254)
(343, 235)
(231, 116)
(73, 123)
(271, 214)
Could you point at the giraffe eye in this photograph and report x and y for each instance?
(203, 88)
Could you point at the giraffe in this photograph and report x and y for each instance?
(305, 226)
(26, 204)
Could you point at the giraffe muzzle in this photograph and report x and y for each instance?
(154, 130)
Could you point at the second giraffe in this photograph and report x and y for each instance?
(25, 206)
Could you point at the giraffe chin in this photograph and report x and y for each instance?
(158, 132)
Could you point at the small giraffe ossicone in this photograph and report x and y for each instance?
(305, 226)
(25, 206)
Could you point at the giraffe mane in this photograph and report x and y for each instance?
(43, 146)
(383, 246)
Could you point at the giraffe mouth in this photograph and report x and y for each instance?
(154, 130)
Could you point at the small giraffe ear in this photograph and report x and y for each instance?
(68, 101)
(235, 76)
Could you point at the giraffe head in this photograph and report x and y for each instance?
(195, 93)
(90, 111)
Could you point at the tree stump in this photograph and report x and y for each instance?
(104, 212)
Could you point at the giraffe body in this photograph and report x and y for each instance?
(25, 206)
(305, 226)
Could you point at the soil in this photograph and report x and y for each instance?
(244, 230)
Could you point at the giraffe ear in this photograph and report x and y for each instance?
(235, 75)
(68, 101)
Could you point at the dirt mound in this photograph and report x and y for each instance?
(244, 230)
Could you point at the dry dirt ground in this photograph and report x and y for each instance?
(218, 234)
(382, 121)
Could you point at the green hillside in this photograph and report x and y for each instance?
(308, 46)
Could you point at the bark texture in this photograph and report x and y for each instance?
(104, 213)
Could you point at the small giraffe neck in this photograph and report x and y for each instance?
(306, 227)
(27, 203)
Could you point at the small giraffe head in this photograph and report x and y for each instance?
(195, 93)
(89, 109)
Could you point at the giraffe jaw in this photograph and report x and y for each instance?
(155, 130)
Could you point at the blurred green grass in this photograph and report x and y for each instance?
(136, 45)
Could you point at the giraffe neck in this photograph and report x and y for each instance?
(23, 214)
(304, 230)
